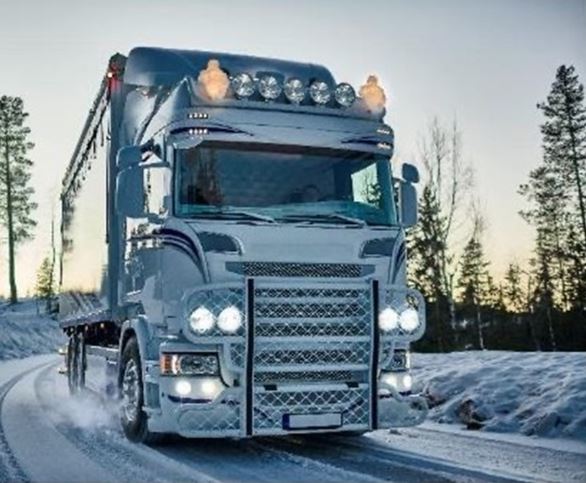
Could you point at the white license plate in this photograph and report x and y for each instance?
(312, 421)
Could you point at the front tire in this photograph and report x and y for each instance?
(133, 419)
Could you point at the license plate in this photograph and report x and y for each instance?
(312, 421)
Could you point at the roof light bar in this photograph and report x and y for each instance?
(215, 84)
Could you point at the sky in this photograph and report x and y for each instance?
(485, 64)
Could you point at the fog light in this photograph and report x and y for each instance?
(207, 388)
(183, 387)
(400, 381)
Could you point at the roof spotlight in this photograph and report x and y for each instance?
(243, 85)
(269, 87)
(320, 92)
(294, 90)
(344, 94)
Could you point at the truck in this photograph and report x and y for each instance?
(233, 258)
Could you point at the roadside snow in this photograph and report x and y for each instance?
(23, 332)
(531, 393)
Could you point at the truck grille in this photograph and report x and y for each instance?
(310, 270)
(305, 336)
(304, 377)
(352, 404)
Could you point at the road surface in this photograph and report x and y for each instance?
(45, 435)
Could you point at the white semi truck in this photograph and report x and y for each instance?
(233, 255)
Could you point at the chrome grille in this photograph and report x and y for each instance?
(305, 335)
(307, 376)
(311, 270)
(352, 404)
(275, 354)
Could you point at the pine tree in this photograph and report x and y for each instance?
(550, 217)
(433, 258)
(426, 251)
(475, 282)
(45, 288)
(564, 146)
(564, 136)
(513, 289)
(543, 294)
(16, 206)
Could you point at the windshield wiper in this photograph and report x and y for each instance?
(316, 218)
(232, 214)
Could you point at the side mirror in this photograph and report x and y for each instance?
(408, 203)
(410, 173)
(130, 192)
(128, 156)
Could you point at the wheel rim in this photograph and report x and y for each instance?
(130, 391)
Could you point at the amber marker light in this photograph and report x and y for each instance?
(373, 95)
(214, 81)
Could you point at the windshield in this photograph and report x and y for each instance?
(283, 184)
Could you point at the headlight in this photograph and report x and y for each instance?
(189, 365)
(388, 320)
(295, 91)
(230, 319)
(345, 95)
(243, 85)
(409, 320)
(197, 364)
(201, 320)
(320, 92)
(269, 87)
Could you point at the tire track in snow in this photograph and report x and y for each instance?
(227, 460)
(359, 462)
(10, 470)
(432, 465)
(105, 444)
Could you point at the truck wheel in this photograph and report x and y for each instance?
(76, 364)
(132, 416)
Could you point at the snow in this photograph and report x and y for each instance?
(529, 393)
(24, 332)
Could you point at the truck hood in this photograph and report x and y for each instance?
(226, 246)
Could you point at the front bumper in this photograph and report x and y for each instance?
(224, 417)
(304, 351)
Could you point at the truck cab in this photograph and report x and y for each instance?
(254, 277)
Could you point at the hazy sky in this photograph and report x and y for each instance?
(485, 63)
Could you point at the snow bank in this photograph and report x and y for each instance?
(532, 393)
(23, 332)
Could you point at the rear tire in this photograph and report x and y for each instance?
(133, 419)
(76, 364)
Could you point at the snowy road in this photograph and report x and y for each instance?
(47, 436)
